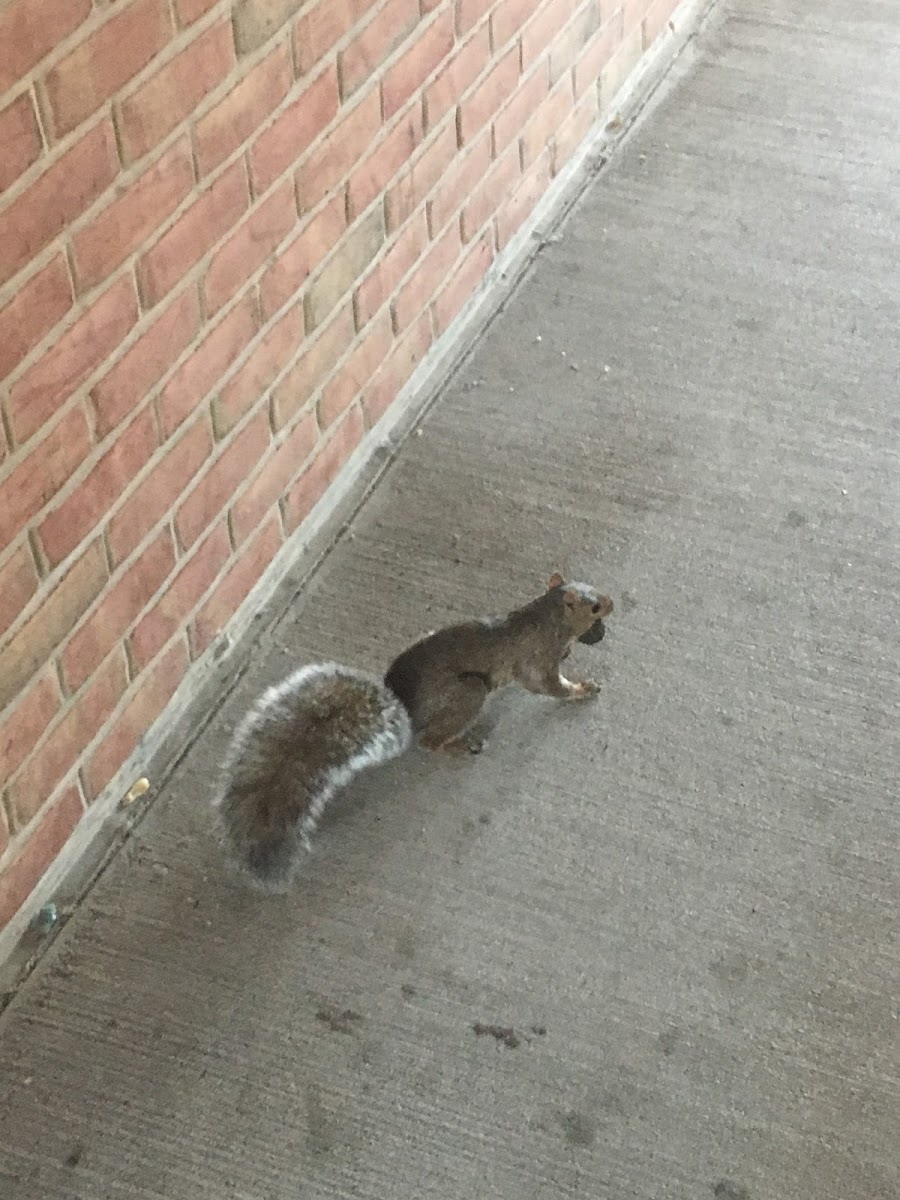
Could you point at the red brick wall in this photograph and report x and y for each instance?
(228, 233)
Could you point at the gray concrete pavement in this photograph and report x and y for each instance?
(690, 886)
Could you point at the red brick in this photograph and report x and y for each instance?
(540, 31)
(350, 379)
(469, 13)
(63, 746)
(18, 583)
(312, 368)
(231, 122)
(83, 510)
(196, 231)
(249, 246)
(197, 375)
(459, 182)
(384, 279)
(508, 20)
(117, 611)
(275, 475)
(376, 171)
(427, 278)
(488, 97)
(408, 193)
(222, 480)
(656, 20)
(20, 877)
(283, 280)
(596, 54)
(320, 28)
(136, 213)
(567, 47)
(322, 471)
(33, 311)
(33, 482)
(170, 96)
(403, 359)
(457, 76)
(189, 11)
(546, 121)
(181, 596)
(268, 359)
(123, 45)
(20, 138)
(157, 493)
(575, 129)
(498, 183)
(82, 348)
(54, 200)
(153, 693)
(23, 728)
(365, 54)
(519, 206)
(463, 284)
(294, 130)
(331, 160)
(412, 68)
(122, 389)
(64, 603)
(514, 116)
(29, 29)
(4, 844)
(230, 594)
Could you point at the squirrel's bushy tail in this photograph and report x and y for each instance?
(302, 740)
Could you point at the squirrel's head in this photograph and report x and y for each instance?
(583, 607)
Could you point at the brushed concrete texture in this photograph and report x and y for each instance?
(681, 900)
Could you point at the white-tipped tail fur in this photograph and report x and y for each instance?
(302, 740)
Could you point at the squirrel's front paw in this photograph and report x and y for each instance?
(584, 690)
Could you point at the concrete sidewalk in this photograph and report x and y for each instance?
(684, 898)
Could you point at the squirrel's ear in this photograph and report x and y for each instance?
(554, 581)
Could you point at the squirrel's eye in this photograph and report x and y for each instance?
(596, 607)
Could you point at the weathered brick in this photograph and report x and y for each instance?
(376, 171)
(350, 379)
(32, 312)
(320, 28)
(463, 283)
(575, 129)
(385, 277)
(409, 192)
(514, 116)
(22, 875)
(567, 47)
(248, 386)
(356, 250)
(459, 182)
(333, 157)
(596, 54)
(82, 348)
(34, 481)
(29, 29)
(117, 610)
(313, 367)
(189, 11)
(548, 21)
(20, 138)
(84, 509)
(231, 122)
(396, 370)
(294, 130)
(286, 276)
(427, 277)
(508, 20)
(620, 66)
(157, 493)
(275, 475)
(195, 232)
(66, 602)
(136, 213)
(546, 121)
(62, 747)
(182, 595)
(105, 61)
(255, 21)
(122, 389)
(198, 374)
(521, 204)
(18, 583)
(423, 57)
(4, 844)
(469, 13)
(245, 251)
(657, 20)
(24, 726)
(167, 98)
(322, 471)
(52, 202)
(498, 183)
(489, 95)
(363, 57)
(215, 489)
(235, 587)
(458, 74)
(153, 693)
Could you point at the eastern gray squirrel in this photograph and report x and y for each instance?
(307, 736)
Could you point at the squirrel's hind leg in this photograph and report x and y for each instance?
(447, 726)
